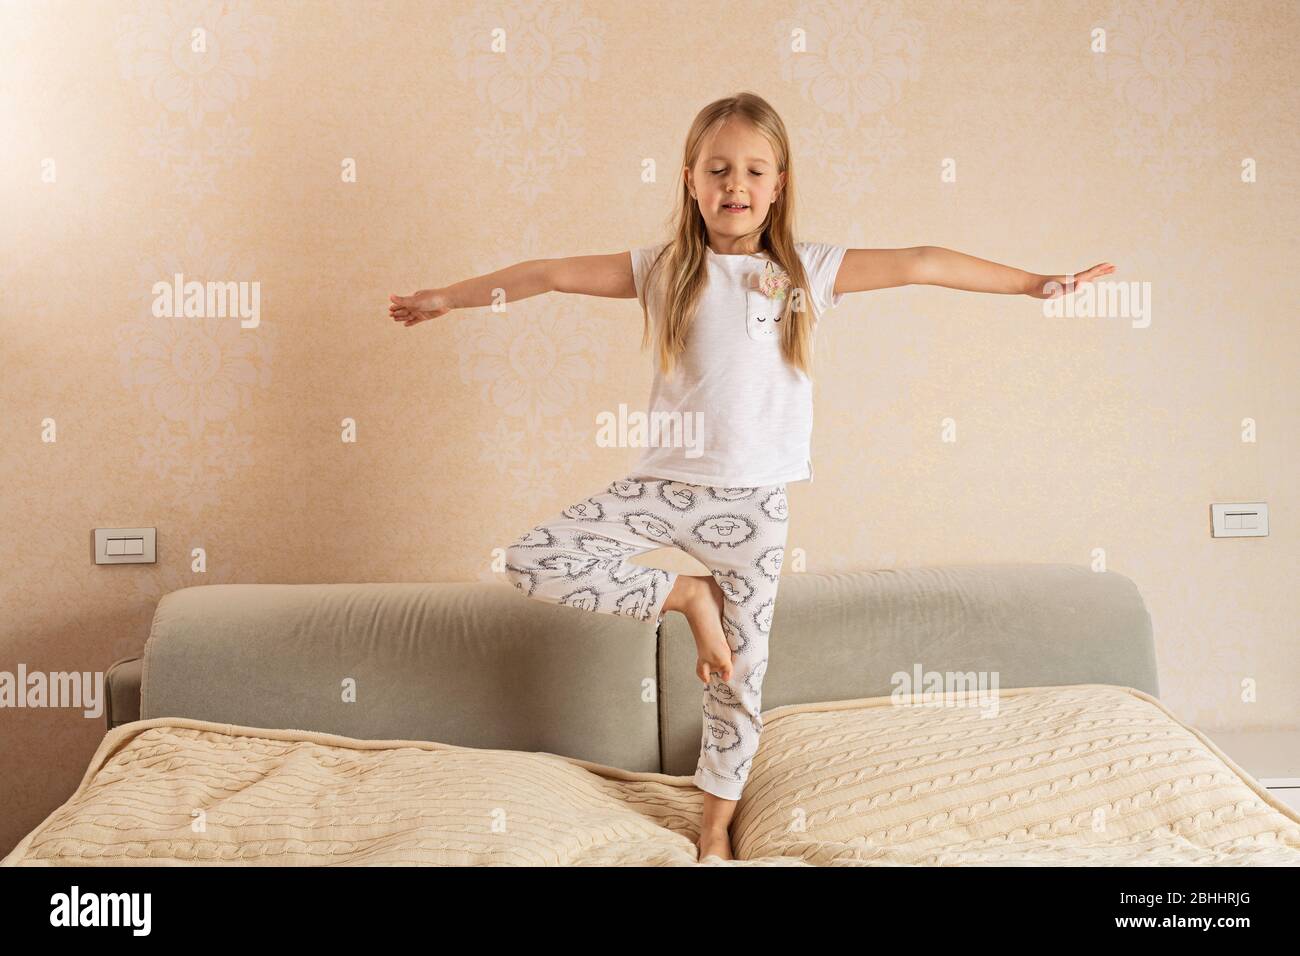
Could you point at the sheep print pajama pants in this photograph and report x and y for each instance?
(580, 558)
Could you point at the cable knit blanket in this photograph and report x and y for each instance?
(1089, 774)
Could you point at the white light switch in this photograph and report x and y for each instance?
(124, 545)
(1239, 520)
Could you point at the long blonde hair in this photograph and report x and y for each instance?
(684, 260)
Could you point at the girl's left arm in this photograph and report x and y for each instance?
(864, 269)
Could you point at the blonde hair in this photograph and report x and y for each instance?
(684, 260)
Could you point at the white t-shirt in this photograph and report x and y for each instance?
(733, 413)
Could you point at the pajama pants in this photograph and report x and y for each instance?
(579, 558)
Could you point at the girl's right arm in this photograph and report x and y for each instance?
(608, 275)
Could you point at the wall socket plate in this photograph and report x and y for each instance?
(1248, 520)
(124, 545)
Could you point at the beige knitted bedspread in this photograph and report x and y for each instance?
(1080, 775)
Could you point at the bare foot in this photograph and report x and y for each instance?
(701, 600)
(714, 842)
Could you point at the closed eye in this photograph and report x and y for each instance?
(752, 172)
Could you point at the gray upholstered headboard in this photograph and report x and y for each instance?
(480, 665)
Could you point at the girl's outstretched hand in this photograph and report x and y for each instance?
(1053, 287)
(425, 304)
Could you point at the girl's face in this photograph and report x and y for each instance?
(735, 168)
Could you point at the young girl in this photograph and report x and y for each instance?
(732, 302)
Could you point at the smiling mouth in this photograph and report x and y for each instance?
(735, 207)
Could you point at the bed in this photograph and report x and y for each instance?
(484, 729)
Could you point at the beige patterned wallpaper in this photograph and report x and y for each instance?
(322, 155)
